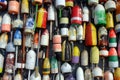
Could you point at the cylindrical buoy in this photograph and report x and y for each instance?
(25, 6)
(72, 34)
(84, 58)
(35, 40)
(51, 13)
(13, 7)
(17, 38)
(64, 32)
(9, 63)
(85, 16)
(7, 76)
(113, 58)
(57, 47)
(94, 56)
(57, 39)
(93, 2)
(79, 33)
(103, 52)
(39, 2)
(102, 36)
(112, 38)
(108, 76)
(60, 3)
(100, 16)
(117, 74)
(88, 74)
(109, 21)
(6, 23)
(46, 68)
(45, 38)
(66, 68)
(75, 55)
(76, 15)
(90, 35)
(42, 18)
(110, 5)
(79, 74)
(3, 40)
(97, 72)
(69, 3)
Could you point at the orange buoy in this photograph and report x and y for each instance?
(13, 7)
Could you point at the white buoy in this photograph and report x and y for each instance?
(66, 68)
(33, 77)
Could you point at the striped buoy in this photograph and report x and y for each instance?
(113, 58)
(84, 58)
(90, 35)
(104, 52)
(75, 55)
(108, 75)
(42, 18)
(102, 36)
(117, 74)
(94, 55)
(69, 3)
(6, 23)
(112, 38)
(100, 16)
(76, 15)
(109, 21)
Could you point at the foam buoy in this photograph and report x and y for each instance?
(97, 72)
(109, 21)
(64, 32)
(84, 58)
(18, 77)
(17, 38)
(75, 55)
(76, 15)
(108, 75)
(85, 14)
(25, 6)
(35, 40)
(3, 40)
(113, 58)
(110, 5)
(39, 2)
(102, 36)
(88, 74)
(13, 7)
(79, 74)
(57, 39)
(59, 77)
(90, 35)
(42, 18)
(33, 77)
(117, 74)
(72, 34)
(60, 3)
(94, 56)
(66, 68)
(118, 11)
(80, 34)
(69, 3)
(104, 52)
(6, 23)
(100, 16)
(93, 2)
(112, 38)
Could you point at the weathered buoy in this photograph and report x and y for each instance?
(33, 77)
(110, 5)
(17, 38)
(97, 72)
(79, 33)
(18, 77)
(88, 74)
(60, 3)
(25, 6)
(72, 33)
(84, 58)
(79, 74)
(66, 68)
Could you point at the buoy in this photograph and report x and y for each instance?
(72, 33)
(66, 68)
(6, 23)
(76, 15)
(42, 18)
(117, 28)
(10, 47)
(60, 3)
(18, 77)
(102, 36)
(108, 76)
(100, 16)
(80, 33)
(97, 72)
(17, 38)
(112, 38)
(113, 58)
(93, 2)
(9, 63)
(118, 11)
(88, 74)
(90, 35)
(104, 52)
(29, 28)
(94, 55)
(57, 47)
(39, 2)
(64, 32)
(69, 3)
(46, 77)
(7, 76)
(3, 4)
(45, 38)
(69, 76)
(117, 74)
(75, 55)
(84, 58)
(110, 5)
(25, 6)
(109, 20)
(79, 74)
(57, 39)
(59, 77)
(54, 65)
(1, 60)
(35, 40)
(28, 40)
(33, 77)
(3, 40)
(66, 51)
